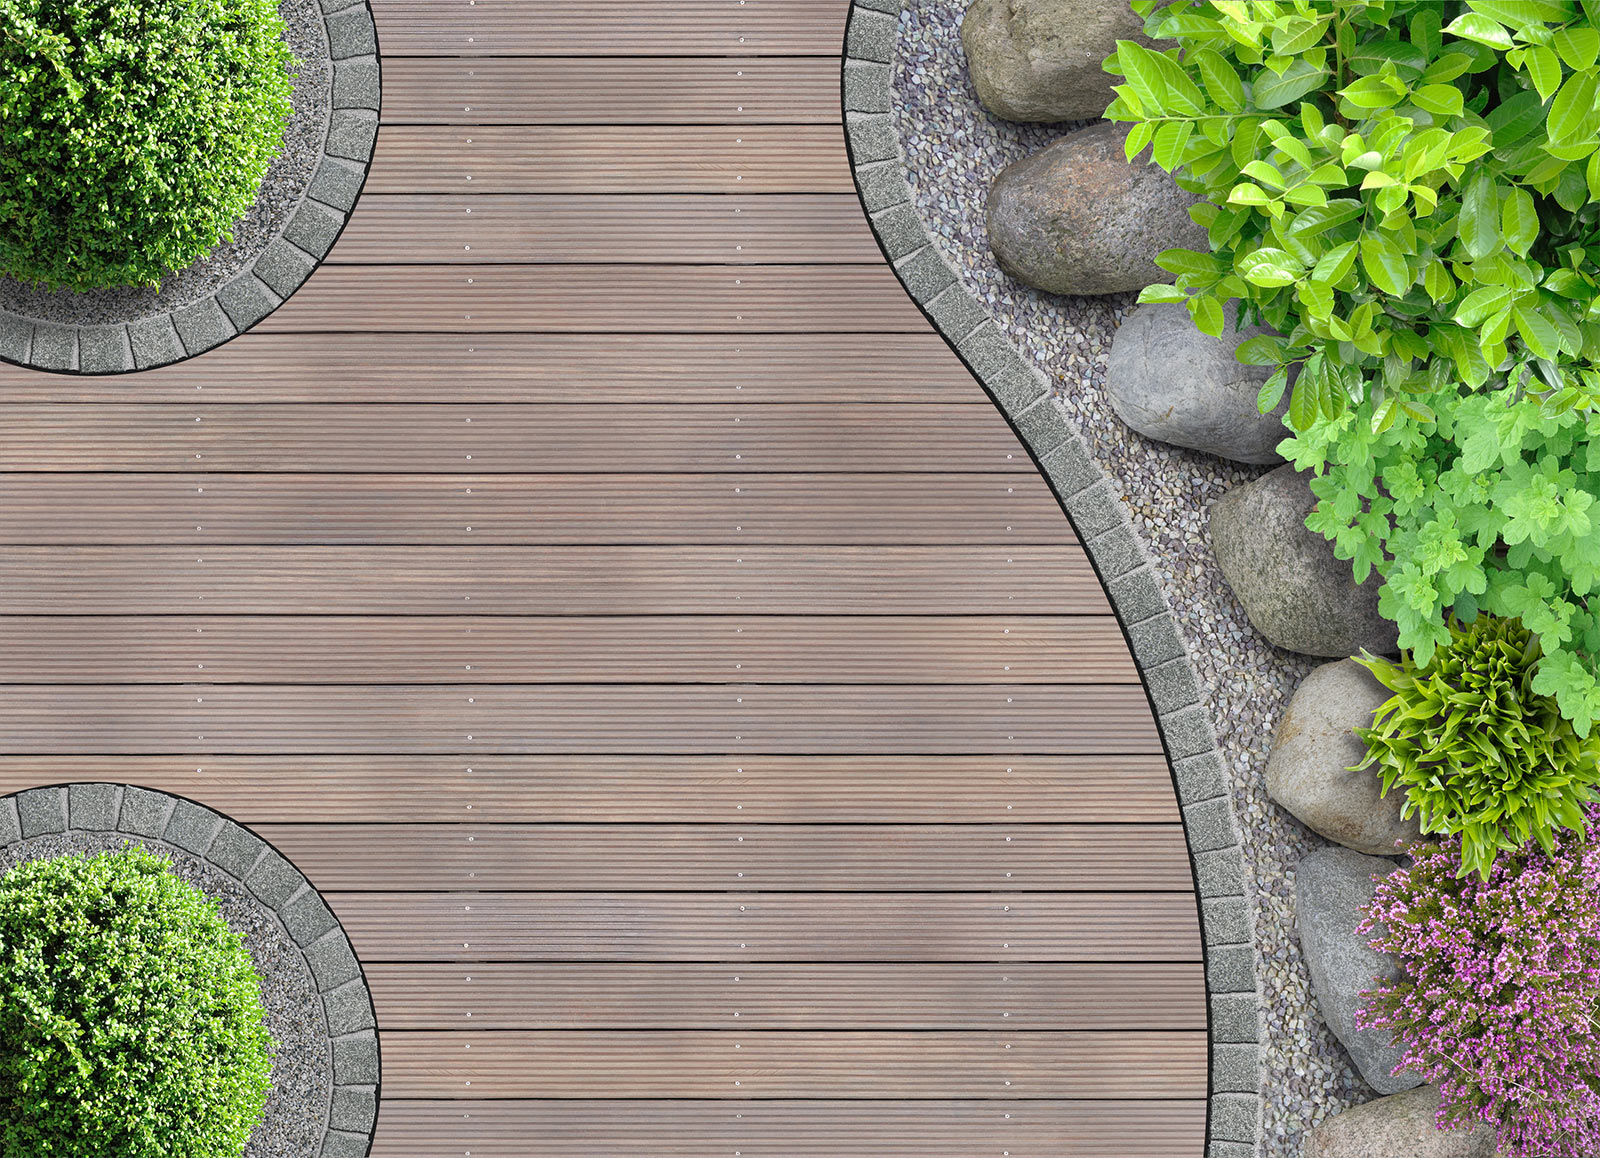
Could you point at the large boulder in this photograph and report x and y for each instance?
(1332, 889)
(1401, 1124)
(1309, 774)
(1077, 217)
(1293, 589)
(1169, 381)
(1040, 60)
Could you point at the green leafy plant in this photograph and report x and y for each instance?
(133, 135)
(1479, 754)
(1405, 190)
(131, 1023)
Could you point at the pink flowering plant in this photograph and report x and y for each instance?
(1500, 1005)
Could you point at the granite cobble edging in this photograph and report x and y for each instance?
(1019, 390)
(230, 848)
(289, 258)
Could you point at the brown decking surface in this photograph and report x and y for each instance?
(604, 584)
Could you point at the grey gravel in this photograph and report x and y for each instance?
(299, 1103)
(952, 150)
(281, 193)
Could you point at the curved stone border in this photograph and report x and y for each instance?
(1233, 1119)
(283, 266)
(232, 849)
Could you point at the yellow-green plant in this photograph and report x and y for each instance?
(1479, 753)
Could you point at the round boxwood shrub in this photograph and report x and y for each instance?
(131, 1023)
(133, 135)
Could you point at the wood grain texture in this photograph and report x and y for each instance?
(770, 229)
(1038, 858)
(1111, 719)
(591, 580)
(744, 788)
(784, 1064)
(507, 438)
(610, 159)
(536, 368)
(821, 1128)
(614, 27)
(716, 299)
(889, 928)
(773, 649)
(797, 997)
(610, 90)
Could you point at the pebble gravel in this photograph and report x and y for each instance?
(953, 149)
(299, 1104)
(282, 190)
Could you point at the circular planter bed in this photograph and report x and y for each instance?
(300, 209)
(318, 1011)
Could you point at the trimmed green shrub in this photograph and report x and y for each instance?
(131, 1023)
(1405, 189)
(1479, 754)
(133, 135)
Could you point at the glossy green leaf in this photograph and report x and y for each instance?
(1221, 80)
(1544, 67)
(1479, 223)
(1519, 222)
(1572, 113)
(1273, 92)
(1385, 265)
(1481, 29)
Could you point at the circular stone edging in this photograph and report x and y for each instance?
(1234, 1120)
(235, 851)
(288, 259)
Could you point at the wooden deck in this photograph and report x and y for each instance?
(606, 586)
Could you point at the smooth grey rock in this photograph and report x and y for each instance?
(1308, 771)
(1293, 589)
(1170, 382)
(1041, 60)
(1078, 218)
(1332, 890)
(1401, 1124)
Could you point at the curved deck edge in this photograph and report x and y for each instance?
(1019, 391)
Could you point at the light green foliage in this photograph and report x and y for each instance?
(133, 133)
(1406, 190)
(1477, 750)
(131, 1023)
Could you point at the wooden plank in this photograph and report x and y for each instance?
(755, 927)
(924, 1128)
(809, 997)
(616, 90)
(612, 27)
(610, 159)
(472, 299)
(641, 789)
(781, 1064)
(506, 438)
(549, 581)
(259, 368)
(577, 718)
(786, 857)
(650, 230)
(759, 649)
(529, 510)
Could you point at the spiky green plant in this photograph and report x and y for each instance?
(1477, 751)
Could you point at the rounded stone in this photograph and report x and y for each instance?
(1041, 60)
(1077, 217)
(1294, 590)
(1401, 1124)
(1333, 889)
(1314, 749)
(1175, 384)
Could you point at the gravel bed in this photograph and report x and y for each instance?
(953, 149)
(281, 193)
(298, 1105)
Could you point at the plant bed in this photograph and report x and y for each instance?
(321, 1098)
(212, 209)
(966, 205)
